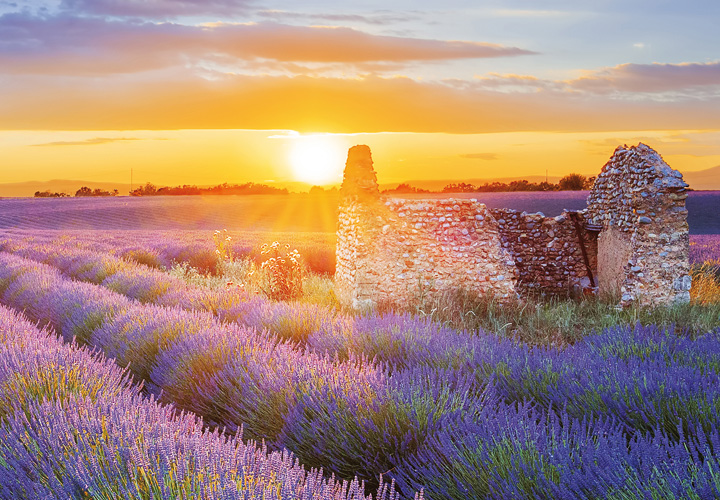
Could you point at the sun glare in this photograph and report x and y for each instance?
(317, 159)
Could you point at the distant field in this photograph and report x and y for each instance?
(293, 213)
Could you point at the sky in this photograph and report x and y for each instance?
(211, 91)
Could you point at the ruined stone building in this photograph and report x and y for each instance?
(631, 243)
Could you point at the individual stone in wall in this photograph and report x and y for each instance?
(359, 178)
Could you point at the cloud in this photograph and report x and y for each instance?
(511, 83)
(653, 81)
(376, 18)
(310, 104)
(532, 13)
(649, 78)
(337, 44)
(92, 142)
(480, 156)
(162, 9)
(74, 45)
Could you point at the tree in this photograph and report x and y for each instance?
(573, 182)
(460, 187)
(405, 188)
(146, 190)
(84, 191)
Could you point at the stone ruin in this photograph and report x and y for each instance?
(630, 244)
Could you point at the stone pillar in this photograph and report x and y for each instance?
(359, 178)
(359, 195)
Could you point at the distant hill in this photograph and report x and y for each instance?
(704, 179)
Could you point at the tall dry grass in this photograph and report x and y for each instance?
(706, 282)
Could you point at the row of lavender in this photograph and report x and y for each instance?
(148, 285)
(72, 425)
(229, 374)
(194, 248)
(629, 410)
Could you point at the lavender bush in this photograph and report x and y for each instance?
(72, 426)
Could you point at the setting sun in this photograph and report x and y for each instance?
(317, 159)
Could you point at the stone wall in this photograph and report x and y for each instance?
(643, 247)
(394, 250)
(548, 251)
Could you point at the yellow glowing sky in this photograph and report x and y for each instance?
(194, 92)
(207, 157)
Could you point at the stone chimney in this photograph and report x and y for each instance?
(359, 178)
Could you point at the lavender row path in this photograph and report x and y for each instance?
(73, 426)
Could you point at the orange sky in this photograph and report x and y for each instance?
(238, 90)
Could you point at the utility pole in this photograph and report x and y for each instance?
(131, 172)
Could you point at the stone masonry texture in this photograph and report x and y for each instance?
(631, 241)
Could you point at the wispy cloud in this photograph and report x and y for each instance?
(377, 18)
(512, 83)
(92, 46)
(691, 80)
(532, 13)
(650, 78)
(162, 9)
(92, 142)
(480, 156)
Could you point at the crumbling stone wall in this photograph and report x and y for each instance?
(392, 250)
(643, 246)
(554, 255)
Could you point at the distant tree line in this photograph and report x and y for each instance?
(83, 191)
(222, 189)
(571, 182)
(50, 194)
(86, 191)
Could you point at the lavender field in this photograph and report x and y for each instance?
(292, 213)
(121, 378)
